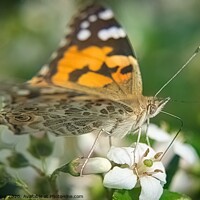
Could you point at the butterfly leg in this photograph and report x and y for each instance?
(90, 152)
(110, 141)
(138, 140)
(147, 137)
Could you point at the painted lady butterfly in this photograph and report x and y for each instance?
(92, 83)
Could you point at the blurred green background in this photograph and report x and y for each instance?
(164, 34)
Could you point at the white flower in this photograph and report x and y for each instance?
(185, 151)
(94, 165)
(139, 165)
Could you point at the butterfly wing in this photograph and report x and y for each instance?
(64, 113)
(95, 57)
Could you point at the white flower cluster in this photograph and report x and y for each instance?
(140, 166)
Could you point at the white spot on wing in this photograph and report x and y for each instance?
(85, 24)
(63, 42)
(23, 92)
(44, 70)
(92, 18)
(54, 55)
(106, 14)
(112, 32)
(83, 34)
(121, 33)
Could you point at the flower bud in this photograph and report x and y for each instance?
(95, 165)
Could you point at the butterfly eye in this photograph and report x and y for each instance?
(23, 118)
(152, 109)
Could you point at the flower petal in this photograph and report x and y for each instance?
(120, 178)
(121, 155)
(141, 149)
(186, 151)
(151, 188)
(156, 133)
(158, 166)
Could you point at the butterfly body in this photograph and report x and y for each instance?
(92, 83)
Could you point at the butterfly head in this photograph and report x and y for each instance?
(155, 105)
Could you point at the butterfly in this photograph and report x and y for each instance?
(91, 83)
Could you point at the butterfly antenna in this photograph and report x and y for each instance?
(181, 126)
(178, 72)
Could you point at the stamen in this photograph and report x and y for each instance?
(157, 156)
(146, 153)
(134, 168)
(152, 173)
(158, 170)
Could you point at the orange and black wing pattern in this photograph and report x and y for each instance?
(95, 56)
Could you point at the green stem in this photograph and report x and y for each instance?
(38, 170)
(23, 185)
(52, 181)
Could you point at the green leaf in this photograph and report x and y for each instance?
(70, 168)
(134, 195)
(126, 194)
(42, 186)
(40, 147)
(168, 195)
(17, 160)
(171, 170)
(4, 177)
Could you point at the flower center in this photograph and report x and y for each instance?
(148, 162)
(142, 167)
